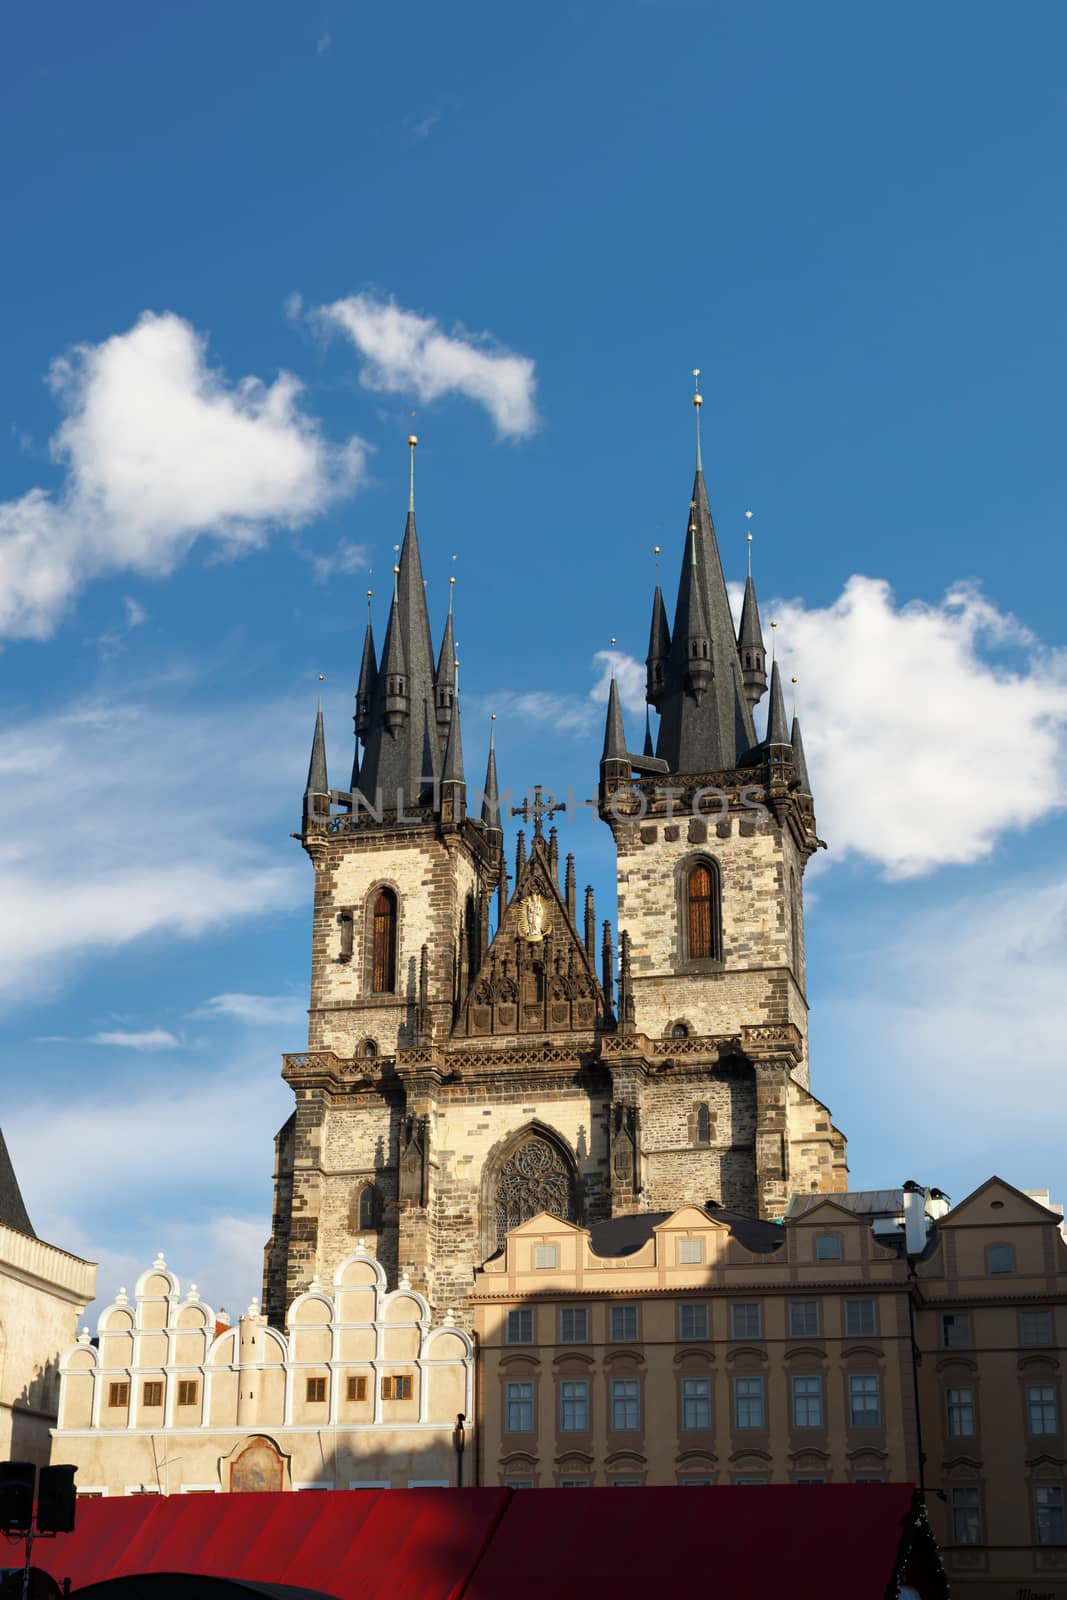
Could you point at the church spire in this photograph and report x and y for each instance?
(614, 732)
(649, 748)
(453, 783)
(800, 764)
(317, 791)
(445, 678)
(368, 678)
(659, 651)
(393, 764)
(750, 642)
(777, 726)
(491, 792)
(705, 720)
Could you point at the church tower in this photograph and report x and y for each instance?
(712, 836)
(480, 1050)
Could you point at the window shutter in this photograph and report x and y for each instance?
(383, 977)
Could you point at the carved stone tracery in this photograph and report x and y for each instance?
(534, 1178)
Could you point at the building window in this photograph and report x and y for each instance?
(803, 1319)
(751, 1478)
(696, 1403)
(118, 1394)
(400, 1387)
(1035, 1328)
(383, 966)
(966, 1514)
(1000, 1258)
(518, 1483)
(152, 1394)
(518, 1407)
(808, 1479)
(749, 1411)
(1041, 1408)
(703, 1125)
(370, 1209)
(188, 1392)
(692, 1320)
(864, 1400)
(807, 1402)
(626, 1483)
(625, 1405)
(520, 1326)
(1048, 1513)
(690, 1252)
(574, 1405)
(573, 1324)
(356, 1389)
(316, 1390)
(746, 1319)
(623, 1324)
(861, 1318)
(956, 1330)
(679, 1031)
(704, 912)
(368, 1049)
(545, 1257)
(828, 1247)
(574, 1483)
(534, 1174)
(959, 1405)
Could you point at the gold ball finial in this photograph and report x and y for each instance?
(655, 549)
(397, 569)
(613, 638)
(322, 677)
(698, 398)
(792, 680)
(748, 536)
(452, 580)
(774, 624)
(369, 593)
(492, 716)
(748, 514)
(412, 440)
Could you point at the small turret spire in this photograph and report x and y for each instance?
(659, 652)
(317, 791)
(692, 624)
(800, 764)
(453, 783)
(649, 747)
(394, 668)
(750, 646)
(777, 726)
(445, 678)
(491, 793)
(614, 732)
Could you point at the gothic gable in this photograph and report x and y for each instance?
(536, 976)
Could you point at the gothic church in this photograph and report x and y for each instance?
(478, 1051)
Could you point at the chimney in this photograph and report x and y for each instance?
(914, 1219)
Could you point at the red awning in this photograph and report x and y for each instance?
(367, 1544)
(493, 1544)
(762, 1540)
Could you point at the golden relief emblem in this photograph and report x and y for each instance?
(534, 924)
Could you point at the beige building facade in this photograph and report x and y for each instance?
(358, 1391)
(43, 1291)
(706, 1348)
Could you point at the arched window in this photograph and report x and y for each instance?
(365, 1215)
(703, 1125)
(368, 1050)
(534, 1175)
(383, 970)
(702, 907)
(679, 1031)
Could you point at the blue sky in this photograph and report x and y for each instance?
(242, 246)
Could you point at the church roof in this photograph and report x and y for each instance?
(622, 1236)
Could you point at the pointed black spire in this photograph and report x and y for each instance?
(607, 970)
(368, 677)
(777, 726)
(649, 747)
(570, 892)
(750, 647)
(703, 727)
(445, 680)
(453, 783)
(799, 761)
(520, 853)
(553, 854)
(491, 792)
(501, 893)
(590, 924)
(614, 732)
(659, 651)
(393, 762)
(317, 792)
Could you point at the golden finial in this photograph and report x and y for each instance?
(793, 681)
(773, 639)
(748, 541)
(698, 401)
(370, 593)
(613, 638)
(451, 590)
(396, 583)
(322, 677)
(655, 552)
(412, 442)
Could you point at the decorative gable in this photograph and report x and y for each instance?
(536, 976)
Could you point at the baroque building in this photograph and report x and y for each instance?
(479, 1050)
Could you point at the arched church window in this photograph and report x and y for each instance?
(383, 968)
(534, 1177)
(366, 1212)
(703, 1125)
(368, 1050)
(703, 912)
(679, 1031)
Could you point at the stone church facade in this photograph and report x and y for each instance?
(479, 1050)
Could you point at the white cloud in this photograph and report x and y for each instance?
(158, 449)
(929, 729)
(136, 615)
(630, 677)
(347, 557)
(145, 845)
(147, 1039)
(404, 351)
(945, 1009)
(257, 1010)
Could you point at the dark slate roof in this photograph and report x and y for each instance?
(318, 782)
(714, 735)
(750, 632)
(491, 792)
(799, 761)
(453, 768)
(864, 1202)
(614, 732)
(659, 634)
(777, 726)
(13, 1213)
(622, 1236)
